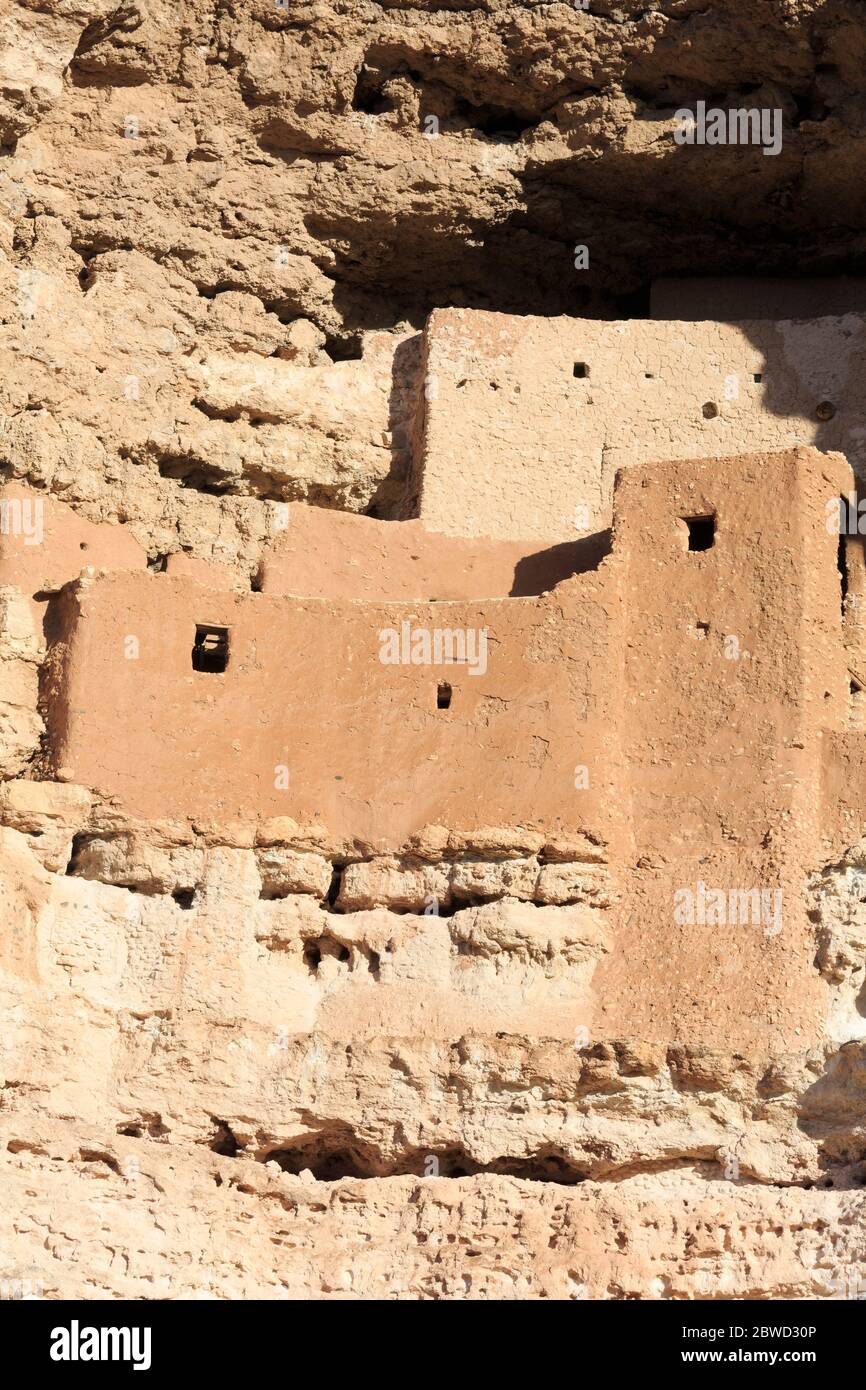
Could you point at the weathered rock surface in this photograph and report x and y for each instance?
(263, 1057)
(199, 210)
(208, 1228)
(209, 1054)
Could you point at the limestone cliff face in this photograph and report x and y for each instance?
(252, 1055)
(201, 205)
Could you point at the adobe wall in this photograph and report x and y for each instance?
(344, 556)
(754, 623)
(316, 553)
(44, 544)
(502, 390)
(734, 656)
(734, 668)
(370, 755)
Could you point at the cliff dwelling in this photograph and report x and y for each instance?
(432, 654)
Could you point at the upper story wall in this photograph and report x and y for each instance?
(528, 419)
(735, 658)
(341, 555)
(318, 553)
(330, 711)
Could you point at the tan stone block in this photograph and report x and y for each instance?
(393, 883)
(285, 871)
(27, 804)
(503, 878)
(574, 883)
(132, 862)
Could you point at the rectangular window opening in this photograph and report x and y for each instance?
(443, 695)
(210, 651)
(702, 531)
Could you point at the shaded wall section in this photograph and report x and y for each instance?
(341, 555)
(742, 297)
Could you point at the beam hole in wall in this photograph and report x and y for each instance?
(701, 531)
(210, 651)
(758, 377)
(184, 897)
(581, 369)
(443, 695)
(709, 410)
(825, 410)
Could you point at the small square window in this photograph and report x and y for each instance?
(210, 651)
(702, 531)
(581, 369)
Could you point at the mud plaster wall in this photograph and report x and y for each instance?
(325, 554)
(305, 688)
(310, 674)
(517, 444)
